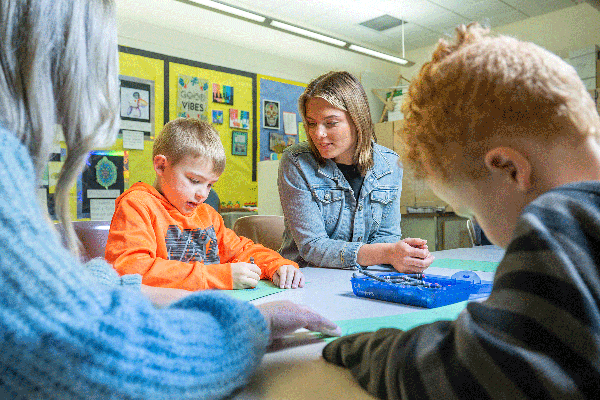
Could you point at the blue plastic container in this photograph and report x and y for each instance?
(464, 285)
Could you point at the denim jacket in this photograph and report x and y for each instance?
(324, 224)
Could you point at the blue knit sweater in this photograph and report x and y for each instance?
(64, 335)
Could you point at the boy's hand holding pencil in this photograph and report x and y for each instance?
(245, 275)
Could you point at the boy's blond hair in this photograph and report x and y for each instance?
(190, 136)
(485, 91)
(342, 90)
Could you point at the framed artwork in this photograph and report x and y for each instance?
(217, 116)
(271, 118)
(239, 119)
(245, 119)
(137, 105)
(192, 101)
(301, 132)
(222, 94)
(234, 118)
(101, 182)
(278, 142)
(239, 143)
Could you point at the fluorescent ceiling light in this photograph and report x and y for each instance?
(230, 10)
(377, 54)
(307, 33)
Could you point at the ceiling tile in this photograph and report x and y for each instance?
(539, 7)
(409, 28)
(483, 10)
(452, 5)
(506, 18)
(444, 22)
(416, 38)
(412, 10)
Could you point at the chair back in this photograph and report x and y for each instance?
(93, 236)
(263, 229)
(473, 237)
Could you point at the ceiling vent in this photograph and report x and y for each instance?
(382, 23)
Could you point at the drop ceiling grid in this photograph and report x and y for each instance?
(427, 20)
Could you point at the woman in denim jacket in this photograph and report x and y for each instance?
(340, 192)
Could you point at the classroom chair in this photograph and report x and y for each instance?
(93, 236)
(213, 200)
(264, 229)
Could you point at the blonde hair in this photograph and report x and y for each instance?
(190, 136)
(342, 90)
(59, 66)
(482, 90)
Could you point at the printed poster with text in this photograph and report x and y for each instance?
(192, 99)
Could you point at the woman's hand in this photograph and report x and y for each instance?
(410, 255)
(285, 317)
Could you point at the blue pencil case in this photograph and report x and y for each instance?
(463, 285)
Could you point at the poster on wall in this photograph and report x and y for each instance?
(136, 105)
(100, 183)
(222, 94)
(271, 114)
(50, 175)
(278, 141)
(245, 119)
(192, 100)
(217, 116)
(301, 132)
(290, 126)
(239, 143)
(234, 118)
(239, 119)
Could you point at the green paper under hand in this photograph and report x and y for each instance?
(466, 265)
(264, 288)
(402, 321)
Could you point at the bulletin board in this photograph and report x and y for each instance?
(143, 65)
(232, 113)
(276, 135)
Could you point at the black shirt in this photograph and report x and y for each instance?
(353, 177)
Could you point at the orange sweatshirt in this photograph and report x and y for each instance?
(150, 237)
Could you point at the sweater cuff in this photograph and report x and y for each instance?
(106, 275)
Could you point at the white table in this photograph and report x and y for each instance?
(294, 368)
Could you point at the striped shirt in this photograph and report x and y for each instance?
(536, 336)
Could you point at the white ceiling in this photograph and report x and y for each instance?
(427, 20)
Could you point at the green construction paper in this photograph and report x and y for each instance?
(465, 265)
(264, 288)
(402, 321)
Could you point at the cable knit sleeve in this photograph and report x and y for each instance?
(66, 336)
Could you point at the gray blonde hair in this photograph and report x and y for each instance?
(59, 66)
(342, 90)
(190, 136)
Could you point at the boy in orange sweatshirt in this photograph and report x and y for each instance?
(166, 234)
